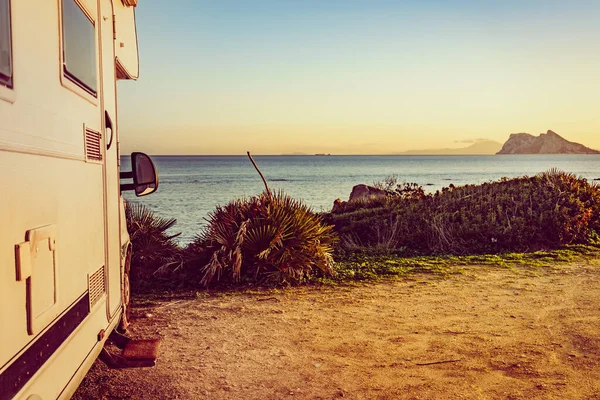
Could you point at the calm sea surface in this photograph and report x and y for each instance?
(191, 186)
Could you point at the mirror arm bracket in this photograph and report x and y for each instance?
(143, 173)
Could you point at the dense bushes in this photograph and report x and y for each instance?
(269, 237)
(155, 256)
(274, 238)
(521, 214)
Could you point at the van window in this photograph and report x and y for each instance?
(79, 46)
(5, 44)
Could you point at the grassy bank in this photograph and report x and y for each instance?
(361, 267)
(546, 211)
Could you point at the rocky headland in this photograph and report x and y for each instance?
(546, 143)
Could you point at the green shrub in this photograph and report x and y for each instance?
(269, 237)
(529, 213)
(406, 190)
(156, 257)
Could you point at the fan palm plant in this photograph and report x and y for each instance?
(155, 254)
(269, 237)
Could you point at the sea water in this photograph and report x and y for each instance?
(190, 187)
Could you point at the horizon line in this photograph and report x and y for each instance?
(325, 155)
(355, 155)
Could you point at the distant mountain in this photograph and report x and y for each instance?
(546, 143)
(480, 147)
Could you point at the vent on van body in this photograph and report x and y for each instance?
(93, 146)
(96, 286)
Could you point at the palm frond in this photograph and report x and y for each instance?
(269, 236)
(155, 254)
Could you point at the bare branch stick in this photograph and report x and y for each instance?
(439, 362)
(260, 173)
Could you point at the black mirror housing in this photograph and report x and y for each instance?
(144, 174)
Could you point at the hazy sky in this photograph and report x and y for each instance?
(367, 77)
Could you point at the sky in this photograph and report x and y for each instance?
(359, 77)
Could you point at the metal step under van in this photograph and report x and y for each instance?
(135, 353)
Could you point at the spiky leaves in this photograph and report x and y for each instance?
(155, 254)
(269, 237)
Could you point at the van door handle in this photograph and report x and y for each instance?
(108, 125)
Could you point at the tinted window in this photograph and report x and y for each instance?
(79, 46)
(5, 44)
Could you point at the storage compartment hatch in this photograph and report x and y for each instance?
(37, 266)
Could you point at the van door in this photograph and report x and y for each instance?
(111, 165)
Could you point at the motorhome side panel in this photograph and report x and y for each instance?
(53, 245)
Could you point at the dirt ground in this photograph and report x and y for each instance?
(482, 333)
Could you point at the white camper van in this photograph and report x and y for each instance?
(64, 247)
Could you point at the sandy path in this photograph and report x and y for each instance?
(491, 333)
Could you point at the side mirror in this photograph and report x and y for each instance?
(145, 178)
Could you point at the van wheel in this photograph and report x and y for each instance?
(125, 317)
